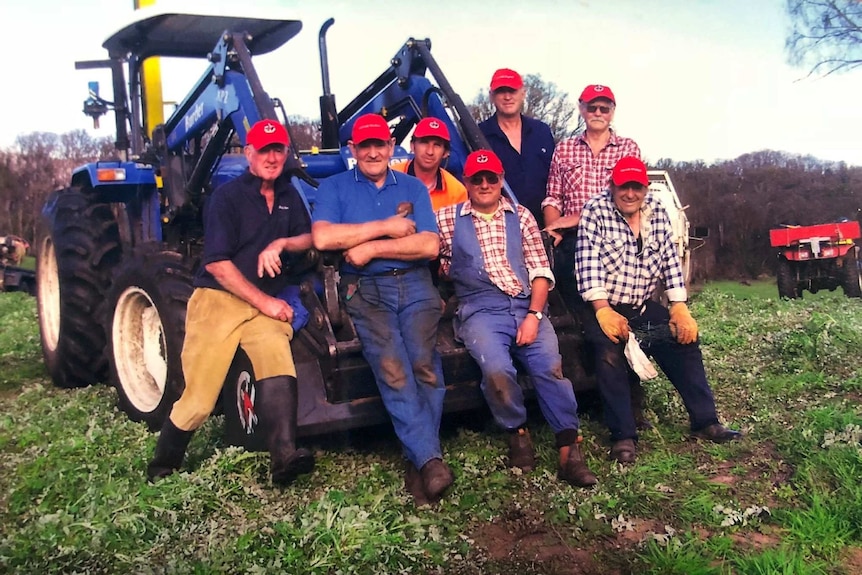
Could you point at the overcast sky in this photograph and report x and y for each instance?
(694, 79)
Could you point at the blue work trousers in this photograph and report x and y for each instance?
(396, 318)
(490, 336)
(682, 364)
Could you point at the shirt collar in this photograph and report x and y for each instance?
(438, 187)
(390, 177)
(505, 205)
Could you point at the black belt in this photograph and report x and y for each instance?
(395, 272)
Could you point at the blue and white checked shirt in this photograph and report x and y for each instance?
(607, 261)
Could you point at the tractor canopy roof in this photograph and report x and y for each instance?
(159, 31)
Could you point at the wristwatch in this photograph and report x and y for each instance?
(539, 315)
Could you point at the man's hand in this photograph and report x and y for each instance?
(277, 309)
(528, 331)
(615, 326)
(399, 226)
(269, 260)
(359, 256)
(682, 325)
(563, 223)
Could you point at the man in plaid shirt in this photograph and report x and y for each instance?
(624, 250)
(493, 252)
(581, 169)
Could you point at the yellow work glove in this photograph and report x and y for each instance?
(681, 324)
(615, 326)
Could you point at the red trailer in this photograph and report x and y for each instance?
(822, 256)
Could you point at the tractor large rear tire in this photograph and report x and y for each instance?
(851, 275)
(788, 287)
(73, 271)
(146, 323)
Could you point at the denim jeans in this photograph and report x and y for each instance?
(682, 364)
(396, 319)
(489, 336)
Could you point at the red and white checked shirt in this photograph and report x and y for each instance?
(492, 241)
(577, 175)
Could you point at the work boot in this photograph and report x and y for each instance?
(573, 469)
(521, 452)
(436, 479)
(276, 404)
(624, 451)
(413, 484)
(717, 433)
(170, 450)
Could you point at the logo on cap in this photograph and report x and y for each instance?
(269, 129)
(599, 88)
(433, 124)
(482, 159)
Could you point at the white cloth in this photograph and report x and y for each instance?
(638, 360)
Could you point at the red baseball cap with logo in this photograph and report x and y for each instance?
(596, 91)
(482, 161)
(506, 78)
(431, 128)
(630, 169)
(370, 127)
(266, 133)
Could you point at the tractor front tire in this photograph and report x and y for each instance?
(851, 275)
(73, 273)
(788, 287)
(146, 327)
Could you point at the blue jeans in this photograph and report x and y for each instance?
(396, 320)
(682, 364)
(489, 336)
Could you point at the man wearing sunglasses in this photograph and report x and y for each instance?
(430, 146)
(493, 252)
(384, 223)
(625, 249)
(525, 145)
(581, 169)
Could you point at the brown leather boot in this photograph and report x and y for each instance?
(413, 484)
(521, 452)
(573, 469)
(436, 479)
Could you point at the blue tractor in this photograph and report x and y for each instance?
(122, 242)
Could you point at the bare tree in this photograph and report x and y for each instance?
(544, 101)
(825, 36)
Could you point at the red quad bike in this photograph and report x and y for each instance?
(822, 256)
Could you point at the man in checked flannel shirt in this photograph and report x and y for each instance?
(624, 250)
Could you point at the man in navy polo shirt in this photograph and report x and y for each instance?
(524, 145)
(384, 223)
(252, 226)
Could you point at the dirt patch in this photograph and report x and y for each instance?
(519, 538)
(852, 560)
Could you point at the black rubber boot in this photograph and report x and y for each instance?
(276, 403)
(170, 450)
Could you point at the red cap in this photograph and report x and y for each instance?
(265, 133)
(370, 127)
(431, 128)
(630, 169)
(482, 161)
(595, 91)
(506, 78)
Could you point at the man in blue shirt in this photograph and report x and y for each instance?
(252, 226)
(624, 249)
(384, 223)
(524, 145)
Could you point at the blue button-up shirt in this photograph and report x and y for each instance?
(527, 171)
(351, 198)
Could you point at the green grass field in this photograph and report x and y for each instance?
(785, 500)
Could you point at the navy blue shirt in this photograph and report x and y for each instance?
(238, 226)
(351, 198)
(527, 172)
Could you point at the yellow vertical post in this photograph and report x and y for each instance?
(151, 86)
